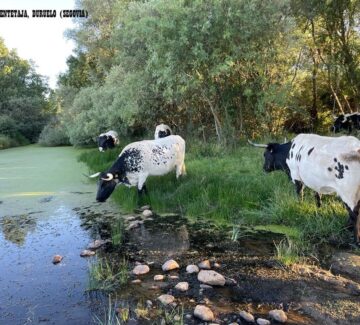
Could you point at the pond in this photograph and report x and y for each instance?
(48, 208)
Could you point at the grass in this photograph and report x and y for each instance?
(103, 275)
(110, 317)
(287, 252)
(230, 186)
(117, 232)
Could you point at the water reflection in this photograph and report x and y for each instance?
(16, 228)
(167, 238)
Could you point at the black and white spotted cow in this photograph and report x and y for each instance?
(141, 159)
(275, 156)
(329, 165)
(162, 131)
(107, 140)
(347, 122)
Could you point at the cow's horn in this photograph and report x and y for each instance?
(94, 175)
(257, 144)
(108, 178)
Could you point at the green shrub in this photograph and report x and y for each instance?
(53, 134)
(12, 141)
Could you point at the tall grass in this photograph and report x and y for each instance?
(230, 186)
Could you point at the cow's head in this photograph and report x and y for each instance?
(106, 185)
(105, 142)
(162, 131)
(274, 156)
(341, 123)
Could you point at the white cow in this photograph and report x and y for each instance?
(162, 131)
(329, 165)
(141, 159)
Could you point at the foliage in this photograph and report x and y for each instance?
(217, 69)
(23, 104)
(54, 134)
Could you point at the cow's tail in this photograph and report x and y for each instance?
(352, 156)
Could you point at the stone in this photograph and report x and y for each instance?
(173, 277)
(262, 321)
(204, 313)
(217, 265)
(149, 303)
(134, 224)
(87, 253)
(182, 286)
(247, 316)
(166, 299)
(57, 259)
(158, 277)
(204, 265)
(205, 286)
(170, 265)
(192, 268)
(147, 213)
(96, 244)
(346, 264)
(278, 315)
(211, 278)
(141, 269)
(145, 207)
(136, 281)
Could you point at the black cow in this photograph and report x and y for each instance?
(107, 140)
(347, 122)
(275, 156)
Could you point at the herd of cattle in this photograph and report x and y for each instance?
(324, 164)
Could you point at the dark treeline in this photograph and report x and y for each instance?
(212, 69)
(24, 108)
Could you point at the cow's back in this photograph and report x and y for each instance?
(325, 164)
(159, 156)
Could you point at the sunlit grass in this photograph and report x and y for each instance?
(230, 186)
(288, 252)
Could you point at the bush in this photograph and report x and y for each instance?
(13, 141)
(53, 134)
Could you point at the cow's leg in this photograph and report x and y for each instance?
(180, 170)
(351, 220)
(357, 223)
(299, 189)
(318, 199)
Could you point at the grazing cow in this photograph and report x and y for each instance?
(162, 131)
(347, 122)
(329, 165)
(107, 140)
(275, 159)
(141, 159)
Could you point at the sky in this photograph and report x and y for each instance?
(39, 39)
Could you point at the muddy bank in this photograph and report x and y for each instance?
(255, 281)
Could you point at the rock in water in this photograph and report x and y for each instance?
(204, 265)
(87, 253)
(170, 265)
(182, 286)
(140, 269)
(147, 213)
(57, 259)
(262, 321)
(278, 315)
(166, 299)
(247, 316)
(211, 278)
(192, 268)
(204, 313)
(158, 277)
